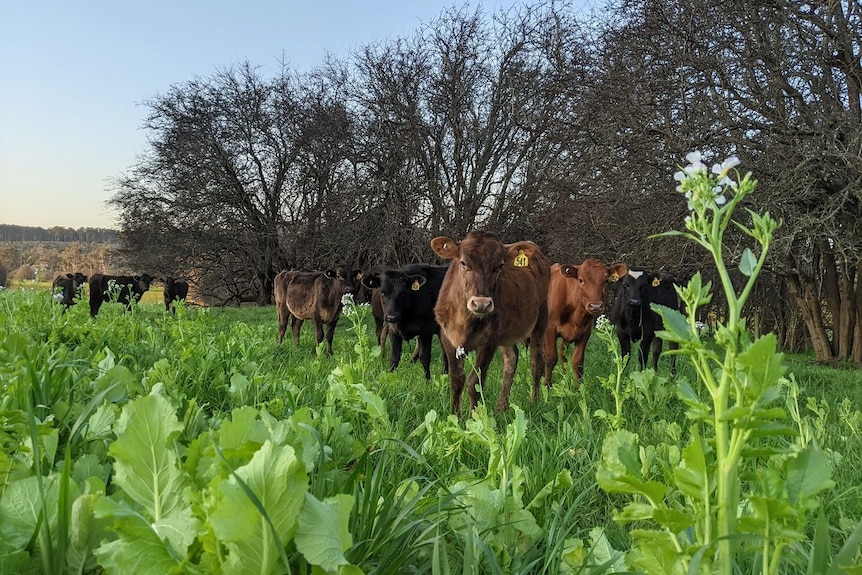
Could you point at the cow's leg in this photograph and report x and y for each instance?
(445, 357)
(416, 352)
(550, 355)
(397, 346)
(296, 325)
(330, 332)
(424, 346)
(672, 345)
(578, 360)
(646, 345)
(283, 318)
(625, 343)
(456, 373)
(510, 364)
(537, 351)
(95, 303)
(656, 352)
(477, 376)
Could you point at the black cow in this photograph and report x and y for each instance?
(635, 320)
(122, 289)
(408, 296)
(175, 290)
(68, 287)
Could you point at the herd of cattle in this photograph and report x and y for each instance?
(122, 289)
(491, 296)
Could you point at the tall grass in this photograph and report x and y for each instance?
(422, 494)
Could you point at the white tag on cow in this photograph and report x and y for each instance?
(636, 274)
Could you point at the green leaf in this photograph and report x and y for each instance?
(747, 263)
(279, 481)
(676, 327)
(619, 469)
(807, 475)
(691, 476)
(147, 467)
(138, 548)
(323, 535)
(761, 365)
(20, 509)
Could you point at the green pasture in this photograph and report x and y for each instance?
(194, 443)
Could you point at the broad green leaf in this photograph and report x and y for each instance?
(138, 548)
(147, 463)
(654, 553)
(807, 475)
(323, 535)
(85, 533)
(619, 469)
(279, 481)
(244, 429)
(747, 262)
(20, 509)
(115, 381)
(762, 366)
(692, 476)
(676, 327)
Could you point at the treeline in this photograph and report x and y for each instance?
(538, 122)
(14, 233)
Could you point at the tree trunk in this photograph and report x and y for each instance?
(832, 293)
(856, 355)
(806, 297)
(846, 319)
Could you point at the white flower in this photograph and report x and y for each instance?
(721, 169)
(347, 299)
(460, 353)
(602, 322)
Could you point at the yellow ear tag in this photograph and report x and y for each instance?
(656, 282)
(614, 277)
(521, 260)
(415, 286)
(359, 276)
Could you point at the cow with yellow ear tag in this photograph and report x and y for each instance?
(634, 317)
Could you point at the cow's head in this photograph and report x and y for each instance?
(346, 277)
(142, 283)
(396, 288)
(592, 278)
(633, 289)
(78, 279)
(478, 260)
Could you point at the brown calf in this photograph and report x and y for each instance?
(576, 297)
(494, 295)
(314, 296)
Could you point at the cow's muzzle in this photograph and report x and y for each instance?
(480, 305)
(392, 318)
(596, 308)
(635, 302)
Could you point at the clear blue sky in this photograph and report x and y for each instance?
(73, 76)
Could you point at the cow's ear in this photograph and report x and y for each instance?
(331, 274)
(371, 281)
(357, 275)
(569, 270)
(521, 252)
(446, 248)
(416, 281)
(655, 281)
(616, 271)
(70, 276)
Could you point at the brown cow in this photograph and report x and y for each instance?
(576, 297)
(315, 296)
(494, 295)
